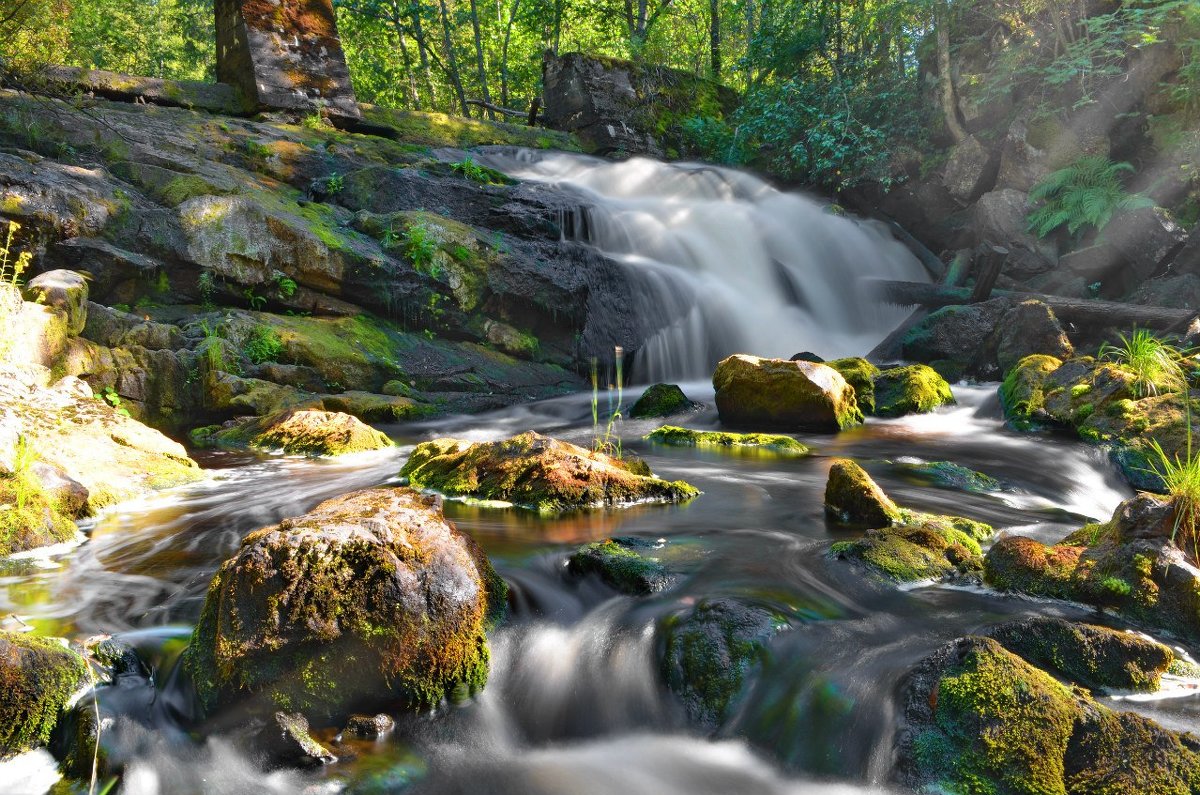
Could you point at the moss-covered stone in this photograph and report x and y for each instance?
(915, 552)
(29, 516)
(916, 389)
(860, 374)
(1022, 393)
(371, 597)
(776, 393)
(623, 563)
(38, 677)
(710, 652)
(300, 432)
(981, 720)
(1096, 657)
(948, 475)
(535, 471)
(853, 498)
(770, 443)
(661, 400)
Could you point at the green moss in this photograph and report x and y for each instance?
(417, 128)
(1022, 393)
(907, 390)
(619, 563)
(298, 432)
(38, 676)
(913, 553)
(661, 400)
(533, 471)
(949, 475)
(772, 443)
(861, 375)
(29, 517)
(853, 498)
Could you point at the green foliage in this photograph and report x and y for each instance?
(608, 442)
(1154, 364)
(206, 286)
(420, 246)
(256, 301)
(285, 286)
(262, 344)
(13, 264)
(477, 173)
(109, 395)
(25, 484)
(1084, 194)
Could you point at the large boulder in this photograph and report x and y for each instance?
(970, 170)
(625, 564)
(1030, 328)
(915, 389)
(38, 677)
(978, 718)
(370, 598)
(535, 471)
(793, 395)
(860, 374)
(301, 432)
(952, 338)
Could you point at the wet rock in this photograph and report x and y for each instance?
(372, 597)
(914, 552)
(711, 651)
(287, 741)
(1096, 657)
(369, 727)
(661, 400)
(978, 716)
(860, 374)
(1030, 328)
(1129, 564)
(39, 677)
(63, 290)
(853, 498)
(807, 356)
(625, 564)
(538, 472)
(915, 389)
(955, 335)
(302, 432)
(684, 437)
(777, 393)
(1022, 395)
(948, 475)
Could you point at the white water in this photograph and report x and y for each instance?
(732, 264)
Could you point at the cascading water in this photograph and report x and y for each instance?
(730, 264)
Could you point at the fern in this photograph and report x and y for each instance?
(1086, 193)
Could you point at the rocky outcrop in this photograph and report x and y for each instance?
(535, 471)
(623, 107)
(38, 678)
(792, 395)
(734, 442)
(372, 597)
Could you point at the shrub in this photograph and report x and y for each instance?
(1084, 194)
(262, 345)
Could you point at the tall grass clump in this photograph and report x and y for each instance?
(12, 266)
(608, 442)
(1154, 364)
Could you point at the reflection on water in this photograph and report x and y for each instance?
(575, 703)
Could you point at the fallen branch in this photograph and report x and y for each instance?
(1080, 311)
(497, 109)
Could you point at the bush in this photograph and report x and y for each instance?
(1086, 193)
(262, 345)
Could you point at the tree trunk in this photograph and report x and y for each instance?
(483, 86)
(414, 96)
(423, 51)
(452, 61)
(946, 77)
(714, 37)
(512, 16)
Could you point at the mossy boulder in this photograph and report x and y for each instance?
(955, 336)
(1096, 657)
(32, 516)
(853, 498)
(65, 291)
(1022, 395)
(980, 719)
(371, 598)
(625, 564)
(949, 475)
(1129, 564)
(661, 400)
(915, 552)
(860, 374)
(302, 432)
(916, 389)
(776, 393)
(38, 677)
(765, 442)
(535, 471)
(709, 653)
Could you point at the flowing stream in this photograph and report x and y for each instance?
(575, 701)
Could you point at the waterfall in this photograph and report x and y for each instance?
(729, 263)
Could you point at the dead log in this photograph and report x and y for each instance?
(497, 108)
(1082, 312)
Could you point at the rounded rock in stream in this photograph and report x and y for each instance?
(38, 677)
(371, 598)
(783, 394)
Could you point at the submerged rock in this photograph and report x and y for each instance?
(784, 394)
(371, 597)
(286, 740)
(1130, 564)
(622, 564)
(369, 726)
(38, 677)
(684, 437)
(916, 389)
(948, 475)
(301, 432)
(661, 400)
(537, 472)
(978, 718)
(1096, 657)
(710, 652)
(853, 498)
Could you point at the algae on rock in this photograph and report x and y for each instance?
(753, 442)
(776, 393)
(38, 678)
(301, 432)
